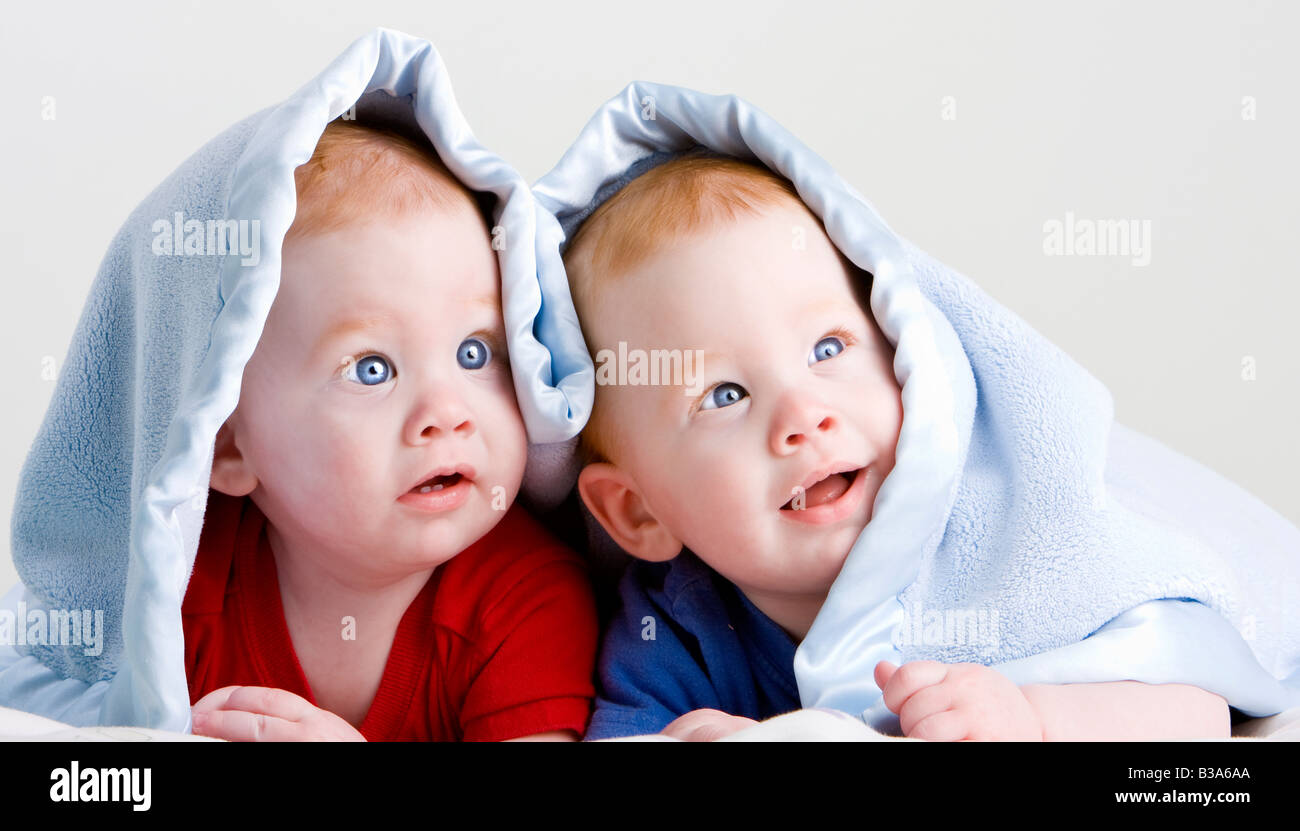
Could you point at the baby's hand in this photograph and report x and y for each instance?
(957, 702)
(706, 726)
(266, 714)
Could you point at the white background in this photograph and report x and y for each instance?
(1108, 110)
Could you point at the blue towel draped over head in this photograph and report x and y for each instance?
(1021, 526)
(111, 499)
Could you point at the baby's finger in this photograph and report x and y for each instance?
(883, 672)
(241, 726)
(269, 701)
(720, 728)
(214, 700)
(924, 703)
(685, 725)
(947, 726)
(911, 677)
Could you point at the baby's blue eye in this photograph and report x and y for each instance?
(473, 353)
(724, 395)
(370, 370)
(826, 348)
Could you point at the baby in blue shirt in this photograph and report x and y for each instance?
(740, 475)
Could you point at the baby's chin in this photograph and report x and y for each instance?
(437, 543)
(416, 541)
(824, 554)
(805, 566)
(474, 518)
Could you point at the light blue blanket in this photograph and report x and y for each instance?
(111, 499)
(1021, 526)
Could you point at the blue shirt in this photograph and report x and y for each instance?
(682, 639)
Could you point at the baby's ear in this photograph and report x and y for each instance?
(613, 498)
(231, 473)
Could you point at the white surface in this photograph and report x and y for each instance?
(800, 725)
(16, 725)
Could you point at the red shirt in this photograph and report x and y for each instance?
(500, 643)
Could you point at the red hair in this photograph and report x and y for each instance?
(357, 173)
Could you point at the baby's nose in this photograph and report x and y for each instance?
(439, 415)
(798, 421)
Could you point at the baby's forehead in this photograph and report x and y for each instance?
(420, 270)
(779, 253)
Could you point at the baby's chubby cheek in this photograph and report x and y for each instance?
(715, 498)
(505, 439)
(335, 467)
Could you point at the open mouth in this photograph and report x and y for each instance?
(437, 483)
(824, 491)
(444, 491)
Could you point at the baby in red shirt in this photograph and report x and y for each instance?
(363, 572)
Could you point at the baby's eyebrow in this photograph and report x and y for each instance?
(384, 320)
(825, 308)
(491, 304)
(488, 301)
(352, 325)
(495, 331)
